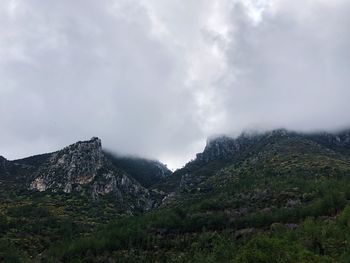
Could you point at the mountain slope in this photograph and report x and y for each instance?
(224, 151)
(270, 197)
(84, 168)
(278, 196)
(146, 172)
(277, 162)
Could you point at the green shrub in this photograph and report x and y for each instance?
(265, 249)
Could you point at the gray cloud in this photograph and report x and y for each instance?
(292, 69)
(155, 78)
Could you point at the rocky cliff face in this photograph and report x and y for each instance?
(222, 151)
(337, 141)
(226, 148)
(222, 147)
(162, 171)
(75, 165)
(83, 167)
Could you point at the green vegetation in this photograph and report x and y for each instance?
(243, 223)
(146, 172)
(30, 223)
(145, 240)
(284, 200)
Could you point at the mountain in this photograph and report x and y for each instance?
(277, 196)
(84, 168)
(336, 141)
(256, 149)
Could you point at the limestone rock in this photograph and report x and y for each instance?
(84, 165)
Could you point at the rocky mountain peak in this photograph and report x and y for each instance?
(341, 138)
(336, 141)
(94, 144)
(75, 164)
(83, 157)
(85, 167)
(225, 147)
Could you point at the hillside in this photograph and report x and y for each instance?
(84, 169)
(146, 172)
(278, 196)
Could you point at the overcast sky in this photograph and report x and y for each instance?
(157, 77)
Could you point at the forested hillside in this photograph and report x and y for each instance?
(278, 196)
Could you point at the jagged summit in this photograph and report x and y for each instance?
(225, 147)
(220, 147)
(85, 168)
(75, 164)
(257, 150)
(94, 142)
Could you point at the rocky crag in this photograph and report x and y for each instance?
(140, 184)
(252, 149)
(81, 168)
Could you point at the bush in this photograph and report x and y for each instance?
(344, 217)
(273, 250)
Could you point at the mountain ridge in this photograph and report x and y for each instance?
(222, 151)
(277, 186)
(82, 167)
